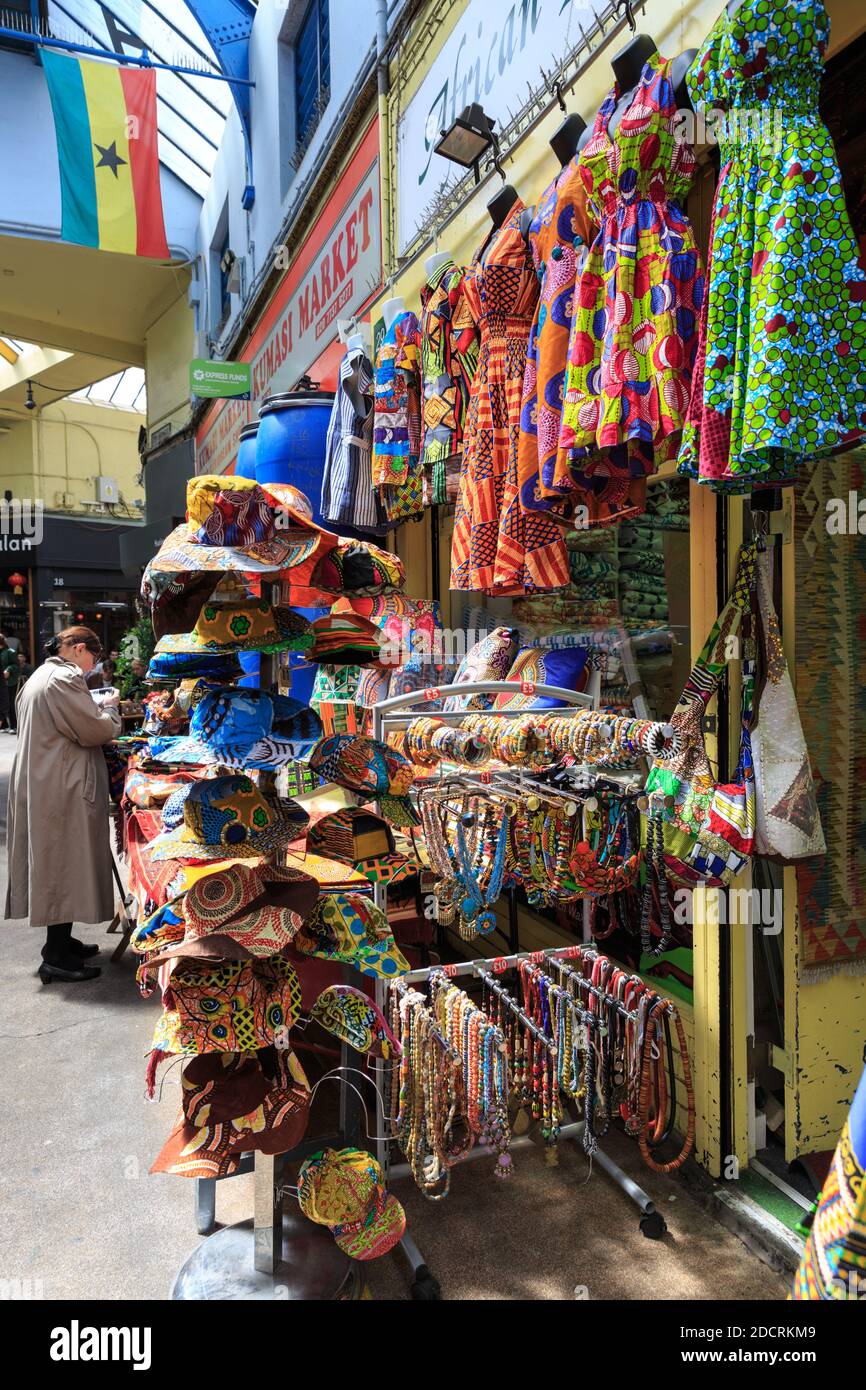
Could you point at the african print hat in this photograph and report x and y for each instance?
(230, 1106)
(226, 818)
(246, 625)
(349, 928)
(346, 640)
(230, 1006)
(489, 660)
(363, 839)
(358, 567)
(567, 667)
(287, 495)
(343, 1189)
(351, 1016)
(240, 912)
(371, 769)
(167, 668)
(243, 728)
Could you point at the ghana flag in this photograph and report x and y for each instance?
(105, 120)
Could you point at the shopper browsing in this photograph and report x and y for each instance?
(57, 839)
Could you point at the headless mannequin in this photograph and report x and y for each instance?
(392, 309)
(564, 140)
(432, 263)
(628, 66)
(499, 207)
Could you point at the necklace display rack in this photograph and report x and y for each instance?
(278, 1253)
(396, 714)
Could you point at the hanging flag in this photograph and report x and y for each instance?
(105, 120)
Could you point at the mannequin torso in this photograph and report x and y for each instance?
(432, 263)
(564, 141)
(628, 65)
(392, 309)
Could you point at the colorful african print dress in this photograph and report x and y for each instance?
(448, 348)
(559, 237)
(397, 468)
(834, 1262)
(634, 335)
(780, 376)
(501, 292)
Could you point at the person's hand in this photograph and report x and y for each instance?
(110, 701)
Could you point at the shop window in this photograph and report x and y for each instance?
(220, 268)
(312, 73)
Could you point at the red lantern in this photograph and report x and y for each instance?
(18, 582)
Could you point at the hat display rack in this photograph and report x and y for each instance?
(396, 715)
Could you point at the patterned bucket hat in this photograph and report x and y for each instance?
(365, 840)
(346, 639)
(371, 769)
(241, 912)
(167, 668)
(343, 1189)
(350, 1015)
(230, 1106)
(246, 625)
(230, 1006)
(286, 495)
(232, 524)
(349, 928)
(243, 728)
(226, 818)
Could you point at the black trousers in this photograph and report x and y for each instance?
(57, 939)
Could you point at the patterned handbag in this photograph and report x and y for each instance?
(709, 831)
(788, 822)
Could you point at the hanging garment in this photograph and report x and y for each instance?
(448, 349)
(397, 469)
(779, 377)
(501, 293)
(532, 552)
(634, 333)
(348, 496)
(559, 238)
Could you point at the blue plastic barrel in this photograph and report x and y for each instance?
(245, 466)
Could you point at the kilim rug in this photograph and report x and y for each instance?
(831, 695)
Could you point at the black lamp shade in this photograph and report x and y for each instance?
(465, 141)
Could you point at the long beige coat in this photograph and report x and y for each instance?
(57, 817)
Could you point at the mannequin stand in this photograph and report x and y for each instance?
(311, 1266)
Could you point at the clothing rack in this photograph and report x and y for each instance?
(397, 713)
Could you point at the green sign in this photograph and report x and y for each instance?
(217, 380)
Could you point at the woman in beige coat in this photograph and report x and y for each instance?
(57, 817)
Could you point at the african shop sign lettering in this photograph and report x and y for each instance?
(490, 56)
(341, 277)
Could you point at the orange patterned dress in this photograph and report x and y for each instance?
(501, 292)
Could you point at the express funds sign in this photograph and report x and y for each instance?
(219, 380)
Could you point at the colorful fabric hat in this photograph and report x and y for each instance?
(370, 768)
(226, 818)
(243, 728)
(349, 928)
(230, 1006)
(246, 625)
(229, 1106)
(343, 1189)
(148, 789)
(352, 1016)
(233, 522)
(346, 640)
(287, 495)
(489, 660)
(240, 912)
(167, 668)
(567, 667)
(359, 567)
(410, 625)
(362, 838)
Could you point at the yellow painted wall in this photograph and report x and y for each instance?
(57, 455)
(169, 348)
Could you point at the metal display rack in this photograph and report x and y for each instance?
(397, 714)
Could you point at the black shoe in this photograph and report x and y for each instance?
(83, 952)
(71, 971)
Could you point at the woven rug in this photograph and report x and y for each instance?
(831, 695)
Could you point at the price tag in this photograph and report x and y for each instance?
(570, 953)
(451, 970)
(527, 687)
(499, 965)
(433, 693)
(536, 958)
(484, 777)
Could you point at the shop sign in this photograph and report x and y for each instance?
(218, 380)
(488, 57)
(345, 271)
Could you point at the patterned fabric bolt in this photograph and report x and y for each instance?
(501, 291)
(779, 378)
(634, 333)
